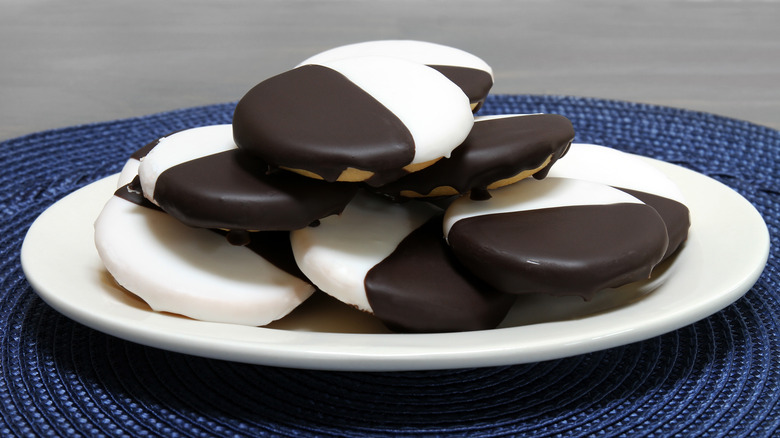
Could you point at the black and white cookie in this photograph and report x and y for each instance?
(643, 181)
(371, 119)
(557, 236)
(202, 179)
(195, 272)
(391, 260)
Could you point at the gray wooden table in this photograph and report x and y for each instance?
(81, 61)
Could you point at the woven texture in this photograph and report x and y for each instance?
(718, 377)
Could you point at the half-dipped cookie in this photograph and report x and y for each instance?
(202, 179)
(195, 272)
(371, 119)
(626, 172)
(391, 260)
(499, 150)
(469, 72)
(557, 236)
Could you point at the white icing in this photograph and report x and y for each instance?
(128, 173)
(181, 147)
(615, 168)
(436, 112)
(416, 51)
(337, 254)
(189, 271)
(531, 194)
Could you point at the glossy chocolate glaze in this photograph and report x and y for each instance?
(313, 118)
(421, 287)
(494, 150)
(675, 215)
(234, 190)
(475, 83)
(573, 250)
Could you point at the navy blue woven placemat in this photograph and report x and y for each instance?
(719, 376)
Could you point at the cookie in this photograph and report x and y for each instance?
(369, 119)
(202, 179)
(557, 236)
(643, 181)
(195, 272)
(499, 150)
(391, 260)
(469, 72)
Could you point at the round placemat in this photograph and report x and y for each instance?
(717, 377)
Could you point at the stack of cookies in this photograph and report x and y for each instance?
(364, 173)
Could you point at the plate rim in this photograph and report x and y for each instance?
(397, 352)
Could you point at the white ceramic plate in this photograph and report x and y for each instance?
(725, 253)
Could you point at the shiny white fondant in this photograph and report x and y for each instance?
(181, 147)
(532, 194)
(421, 52)
(436, 112)
(189, 271)
(337, 254)
(615, 168)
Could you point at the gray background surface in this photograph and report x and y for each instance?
(82, 61)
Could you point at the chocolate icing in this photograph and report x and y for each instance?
(573, 250)
(421, 287)
(475, 83)
(675, 215)
(234, 190)
(494, 150)
(313, 118)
